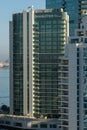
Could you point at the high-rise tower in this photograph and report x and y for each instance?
(50, 36)
(75, 8)
(37, 39)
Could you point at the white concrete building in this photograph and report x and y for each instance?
(73, 82)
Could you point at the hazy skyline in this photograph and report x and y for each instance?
(7, 8)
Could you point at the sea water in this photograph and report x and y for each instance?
(4, 86)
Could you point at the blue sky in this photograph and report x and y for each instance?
(7, 8)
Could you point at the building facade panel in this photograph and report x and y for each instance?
(75, 8)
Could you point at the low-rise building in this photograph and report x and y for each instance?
(12, 122)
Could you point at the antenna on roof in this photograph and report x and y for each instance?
(31, 7)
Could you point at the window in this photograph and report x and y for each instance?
(7, 122)
(1, 122)
(65, 122)
(77, 68)
(34, 126)
(77, 61)
(18, 124)
(77, 74)
(82, 26)
(77, 80)
(85, 40)
(43, 125)
(75, 40)
(53, 126)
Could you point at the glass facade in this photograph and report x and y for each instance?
(71, 6)
(39, 58)
(75, 9)
(50, 35)
(18, 63)
(78, 87)
(85, 87)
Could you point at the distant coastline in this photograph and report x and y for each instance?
(4, 64)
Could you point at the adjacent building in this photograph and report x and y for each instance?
(37, 40)
(75, 8)
(12, 122)
(73, 81)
